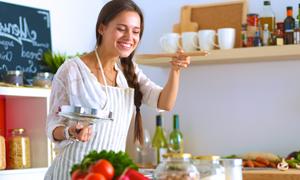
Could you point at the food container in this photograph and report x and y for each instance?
(14, 77)
(176, 166)
(2, 153)
(18, 150)
(43, 79)
(233, 169)
(84, 114)
(209, 167)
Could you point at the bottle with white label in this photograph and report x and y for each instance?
(159, 141)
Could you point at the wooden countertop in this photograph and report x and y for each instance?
(271, 174)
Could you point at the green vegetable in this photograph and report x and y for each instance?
(233, 156)
(119, 160)
(292, 162)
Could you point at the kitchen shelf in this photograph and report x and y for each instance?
(230, 56)
(24, 91)
(28, 107)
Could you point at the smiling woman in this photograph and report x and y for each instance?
(106, 79)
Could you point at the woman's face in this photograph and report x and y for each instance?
(121, 35)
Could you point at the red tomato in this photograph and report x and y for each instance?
(94, 176)
(103, 167)
(78, 175)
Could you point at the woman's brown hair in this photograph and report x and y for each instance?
(108, 13)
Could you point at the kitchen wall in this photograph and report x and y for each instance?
(224, 109)
(72, 23)
(230, 108)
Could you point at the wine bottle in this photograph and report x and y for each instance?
(159, 142)
(176, 138)
(289, 25)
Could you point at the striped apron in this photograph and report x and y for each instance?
(107, 135)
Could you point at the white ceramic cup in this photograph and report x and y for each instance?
(170, 42)
(189, 41)
(206, 38)
(226, 38)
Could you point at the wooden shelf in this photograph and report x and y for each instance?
(237, 55)
(24, 91)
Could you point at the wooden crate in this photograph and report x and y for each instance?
(213, 16)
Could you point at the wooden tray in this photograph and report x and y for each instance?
(213, 16)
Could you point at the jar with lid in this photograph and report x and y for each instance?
(43, 79)
(18, 149)
(209, 167)
(14, 77)
(2, 152)
(177, 166)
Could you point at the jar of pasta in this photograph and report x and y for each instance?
(2, 152)
(18, 150)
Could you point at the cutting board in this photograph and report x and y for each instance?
(185, 25)
(274, 174)
(231, 13)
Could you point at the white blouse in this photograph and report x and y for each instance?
(74, 84)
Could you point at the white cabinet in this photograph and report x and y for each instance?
(28, 108)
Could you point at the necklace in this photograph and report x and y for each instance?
(112, 82)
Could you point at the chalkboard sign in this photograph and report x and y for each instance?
(24, 36)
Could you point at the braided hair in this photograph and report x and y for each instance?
(108, 13)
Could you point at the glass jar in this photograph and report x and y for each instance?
(176, 166)
(233, 169)
(2, 153)
(43, 79)
(14, 77)
(18, 150)
(209, 167)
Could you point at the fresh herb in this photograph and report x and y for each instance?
(233, 156)
(119, 160)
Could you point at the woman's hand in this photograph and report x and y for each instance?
(180, 61)
(80, 132)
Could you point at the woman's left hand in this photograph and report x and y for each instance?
(180, 60)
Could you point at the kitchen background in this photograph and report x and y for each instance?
(224, 109)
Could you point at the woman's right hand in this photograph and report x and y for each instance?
(80, 132)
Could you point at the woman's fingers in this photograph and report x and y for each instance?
(85, 134)
(81, 133)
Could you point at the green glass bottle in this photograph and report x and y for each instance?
(176, 138)
(159, 142)
(298, 16)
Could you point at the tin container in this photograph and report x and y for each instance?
(14, 77)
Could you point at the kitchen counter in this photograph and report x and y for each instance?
(291, 174)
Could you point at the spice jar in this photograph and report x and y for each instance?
(18, 150)
(43, 79)
(209, 167)
(177, 166)
(2, 153)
